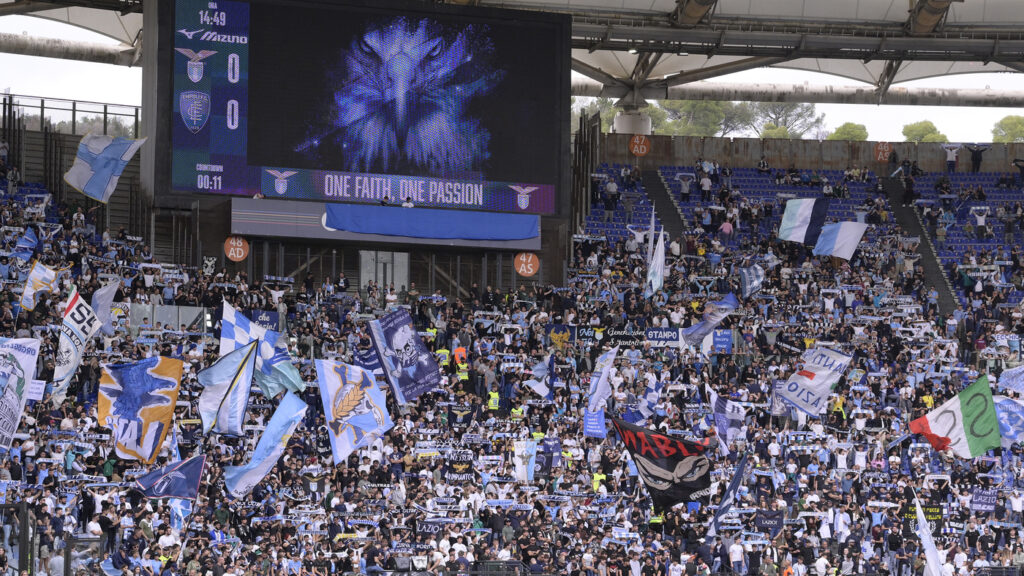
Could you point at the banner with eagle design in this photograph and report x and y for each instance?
(674, 470)
(137, 402)
(355, 407)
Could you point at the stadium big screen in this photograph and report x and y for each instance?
(338, 103)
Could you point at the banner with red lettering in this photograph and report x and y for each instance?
(674, 470)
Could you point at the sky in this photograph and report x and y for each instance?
(52, 78)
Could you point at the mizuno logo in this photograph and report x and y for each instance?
(188, 34)
(224, 38)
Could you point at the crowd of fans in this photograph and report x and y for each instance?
(844, 481)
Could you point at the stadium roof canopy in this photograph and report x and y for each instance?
(652, 48)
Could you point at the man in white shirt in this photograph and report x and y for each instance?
(736, 557)
(821, 565)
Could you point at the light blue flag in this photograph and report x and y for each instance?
(26, 245)
(181, 509)
(356, 408)
(524, 459)
(695, 334)
(729, 498)
(1012, 379)
(751, 279)
(240, 480)
(1011, 419)
(99, 163)
(225, 396)
(275, 372)
(839, 240)
(600, 386)
(103, 304)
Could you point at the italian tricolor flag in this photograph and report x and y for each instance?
(966, 424)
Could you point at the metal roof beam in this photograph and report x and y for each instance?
(25, 7)
(690, 12)
(728, 92)
(685, 77)
(595, 73)
(927, 16)
(892, 67)
(782, 44)
(68, 50)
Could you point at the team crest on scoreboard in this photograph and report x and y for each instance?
(523, 195)
(195, 109)
(281, 180)
(195, 65)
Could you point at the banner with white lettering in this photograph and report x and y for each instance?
(808, 388)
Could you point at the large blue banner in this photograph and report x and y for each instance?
(410, 369)
(266, 318)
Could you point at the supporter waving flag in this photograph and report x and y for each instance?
(409, 367)
(803, 220)
(26, 245)
(673, 470)
(751, 279)
(40, 279)
(714, 313)
(226, 385)
(808, 389)
(80, 323)
(656, 269)
(730, 496)
(102, 306)
(176, 480)
(137, 402)
(275, 372)
(600, 387)
(240, 480)
(967, 423)
(356, 409)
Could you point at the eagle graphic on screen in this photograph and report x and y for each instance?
(404, 98)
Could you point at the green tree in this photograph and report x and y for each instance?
(923, 131)
(849, 132)
(773, 131)
(1009, 129)
(588, 106)
(797, 118)
(737, 116)
(693, 117)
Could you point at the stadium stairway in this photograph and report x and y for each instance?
(911, 223)
(664, 206)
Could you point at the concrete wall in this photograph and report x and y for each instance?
(812, 154)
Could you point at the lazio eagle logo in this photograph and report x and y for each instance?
(559, 336)
(352, 401)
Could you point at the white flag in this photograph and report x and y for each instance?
(80, 323)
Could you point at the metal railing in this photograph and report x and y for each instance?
(77, 117)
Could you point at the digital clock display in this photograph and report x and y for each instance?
(356, 104)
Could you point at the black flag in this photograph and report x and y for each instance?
(458, 467)
(460, 415)
(674, 470)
